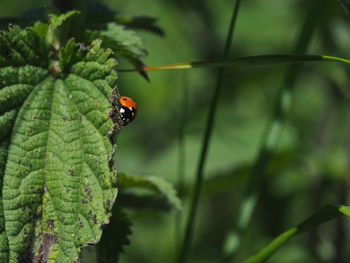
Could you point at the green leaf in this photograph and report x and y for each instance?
(155, 184)
(123, 42)
(58, 20)
(324, 214)
(114, 237)
(100, 13)
(41, 29)
(140, 22)
(57, 183)
(61, 27)
(71, 54)
(139, 201)
(127, 40)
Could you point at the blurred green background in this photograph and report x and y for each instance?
(311, 166)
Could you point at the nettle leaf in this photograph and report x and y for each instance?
(58, 20)
(61, 27)
(125, 43)
(99, 13)
(114, 237)
(155, 184)
(127, 40)
(41, 29)
(58, 186)
(140, 22)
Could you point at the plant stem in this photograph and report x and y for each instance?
(181, 139)
(181, 156)
(270, 139)
(183, 254)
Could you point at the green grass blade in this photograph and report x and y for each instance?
(271, 137)
(190, 224)
(181, 166)
(324, 214)
(261, 60)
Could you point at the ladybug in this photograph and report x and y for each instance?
(127, 110)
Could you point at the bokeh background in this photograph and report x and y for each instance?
(310, 167)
